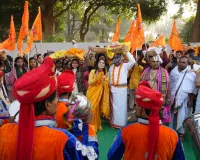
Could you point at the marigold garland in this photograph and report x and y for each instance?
(113, 71)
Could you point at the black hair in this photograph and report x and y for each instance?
(9, 58)
(18, 58)
(40, 107)
(139, 52)
(1, 63)
(190, 54)
(68, 94)
(97, 68)
(77, 60)
(97, 60)
(58, 61)
(66, 65)
(145, 45)
(190, 51)
(32, 58)
(38, 55)
(46, 54)
(147, 111)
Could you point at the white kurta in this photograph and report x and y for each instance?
(119, 94)
(187, 87)
(175, 75)
(197, 107)
(75, 91)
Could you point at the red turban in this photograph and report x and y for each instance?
(36, 85)
(1, 73)
(66, 82)
(150, 99)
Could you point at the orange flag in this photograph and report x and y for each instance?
(160, 41)
(129, 35)
(174, 41)
(139, 33)
(9, 43)
(117, 32)
(35, 33)
(24, 28)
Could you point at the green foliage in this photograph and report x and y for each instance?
(74, 18)
(186, 31)
(54, 38)
(15, 8)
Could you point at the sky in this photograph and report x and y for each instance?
(164, 25)
(188, 10)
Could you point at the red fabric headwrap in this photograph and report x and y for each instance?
(66, 82)
(1, 73)
(150, 99)
(36, 85)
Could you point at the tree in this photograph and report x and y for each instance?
(196, 25)
(15, 8)
(51, 10)
(186, 33)
(152, 10)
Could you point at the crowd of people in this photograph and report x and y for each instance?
(162, 88)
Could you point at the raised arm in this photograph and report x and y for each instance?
(131, 59)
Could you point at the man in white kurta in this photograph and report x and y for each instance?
(118, 73)
(181, 73)
(176, 74)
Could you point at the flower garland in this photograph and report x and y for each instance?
(119, 71)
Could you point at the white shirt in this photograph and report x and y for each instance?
(124, 70)
(75, 91)
(174, 78)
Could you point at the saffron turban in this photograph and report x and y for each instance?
(150, 99)
(66, 82)
(34, 86)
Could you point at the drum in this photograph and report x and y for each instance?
(81, 109)
(14, 108)
(192, 127)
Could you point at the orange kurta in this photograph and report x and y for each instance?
(61, 110)
(135, 138)
(48, 143)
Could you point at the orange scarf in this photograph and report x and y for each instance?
(113, 82)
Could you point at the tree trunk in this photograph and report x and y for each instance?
(82, 37)
(102, 35)
(68, 27)
(49, 26)
(196, 25)
(48, 18)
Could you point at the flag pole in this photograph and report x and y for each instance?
(13, 59)
(136, 53)
(28, 60)
(41, 47)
